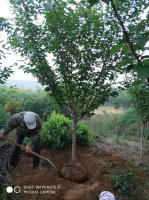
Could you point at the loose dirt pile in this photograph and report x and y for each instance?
(43, 185)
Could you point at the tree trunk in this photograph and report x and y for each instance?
(141, 145)
(116, 127)
(74, 133)
(117, 134)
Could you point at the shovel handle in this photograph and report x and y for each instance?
(31, 152)
(13, 142)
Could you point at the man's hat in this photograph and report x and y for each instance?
(30, 120)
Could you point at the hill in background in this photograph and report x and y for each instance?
(24, 84)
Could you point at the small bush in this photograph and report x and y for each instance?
(128, 117)
(84, 135)
(56, 132)
(126, 184)
(105, 125)
(3, 193)
(100, 124)
(13, 106)
(4, 116)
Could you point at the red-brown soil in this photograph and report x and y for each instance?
(97, 163)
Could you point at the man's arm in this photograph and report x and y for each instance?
(1, 136)
(33, 139)
(10, 125)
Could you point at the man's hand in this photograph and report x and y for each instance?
(1, 136)
(28, 149)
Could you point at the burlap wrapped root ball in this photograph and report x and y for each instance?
(74, 172)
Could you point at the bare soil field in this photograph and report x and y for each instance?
(44, 185)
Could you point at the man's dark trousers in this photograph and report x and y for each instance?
(16, 151)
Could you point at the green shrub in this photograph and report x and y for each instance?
(101, 124)
(3, 117)
(3, 193)
(84, 135)
(130, 116)
(125, 183)
(56, 132)
(105, 125)
(13, 106)
(123, 99)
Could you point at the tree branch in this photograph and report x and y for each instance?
(127, 37)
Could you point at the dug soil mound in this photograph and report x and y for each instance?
(75, 173)
(44, 185)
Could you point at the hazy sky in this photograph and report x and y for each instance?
(11, 59)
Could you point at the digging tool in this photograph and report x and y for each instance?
(46, 160)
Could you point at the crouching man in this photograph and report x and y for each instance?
(27, 124)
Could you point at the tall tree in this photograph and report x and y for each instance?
(4, 71)
(133, 19)
(68, 48)
(140, 97)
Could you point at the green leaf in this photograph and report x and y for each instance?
(141, 43)
(106, 1)
(146, 62)
(137, 82)
(129, 67)
(124, 63)
(125, 49)
(116, 2)
(143, 71)
(146, 132)
(116, 48)
(93, 2)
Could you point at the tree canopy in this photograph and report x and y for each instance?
(76, 49)
(5, 71)
(133, 19)
(69, 48)
(140, 97)
(69, 52)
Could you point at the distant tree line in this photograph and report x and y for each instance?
(13, 100)
(123, 100)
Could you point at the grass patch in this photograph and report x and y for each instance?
(126, 185)
(123, 125)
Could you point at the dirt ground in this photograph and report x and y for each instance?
(44, 185)
(129, 151)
